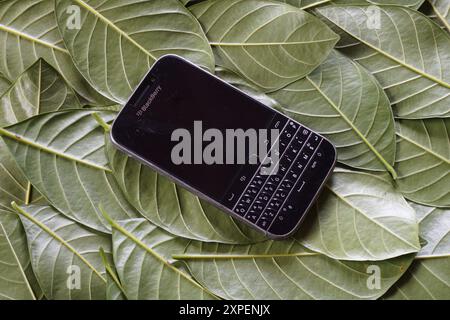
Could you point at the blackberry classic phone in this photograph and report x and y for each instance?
(242, 156)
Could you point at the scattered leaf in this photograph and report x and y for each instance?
(39, 89)
(270, 44)
(423, 160)
(144, 271)
(28, 31)
(65, 255)
(410, 58)
(428, 276)
(342, 101)
(360, 216)
(62, 154)
(129, 37)
(285, 270)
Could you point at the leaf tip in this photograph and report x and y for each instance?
(106, 216)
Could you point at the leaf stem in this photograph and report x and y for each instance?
(30, 38)
(432, 256)
(28, 193)
(114, 27)
(389, 56)
(389, 168)
(101, 122)
(270, 256)
(237, 256)
(38, 146)
(110, 271)
(133, 238)
(266, 44)
(312, 5)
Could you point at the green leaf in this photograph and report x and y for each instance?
(302, 4)
(342, 101)
(144, 271)
(285, 270)
(14, 187)
(14, 284)
(270, 44)
(428, 276)
(65, 255)
(114, 289)
(305, 4)
(28, 31)
(4, 84)
(39, 89)
(62, 154)
(441, 8)
(171, 207)
(409, 55)
(118, 43)
(423, 160)
(360, 216)
(308, 4)
(415, 4)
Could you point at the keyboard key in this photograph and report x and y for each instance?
(287, 185)
(240, 210)
(246, 199)
(292, 127)
(252, 216)
(293, 175)
(270, 213)
(258, 206)
(275, 204)
(280, 194)
(282, 145)
(313, 141)
(305, 155)
(299, 141)
(258, 180)
(275, 179)
(264, 197)
(269, 189)
(252, 191)
(254, 186)
(264, 222)
(278, 122)
(293, 150)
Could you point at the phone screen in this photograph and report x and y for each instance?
(178, 96)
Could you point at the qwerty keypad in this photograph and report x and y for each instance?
(271, 199)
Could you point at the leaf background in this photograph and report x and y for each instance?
(346, 104)
(28, 31)
(427, 278)
(63, 156)
(410, 58)
(361, 220)
(129, 35)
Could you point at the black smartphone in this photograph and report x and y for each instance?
(242, 156)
